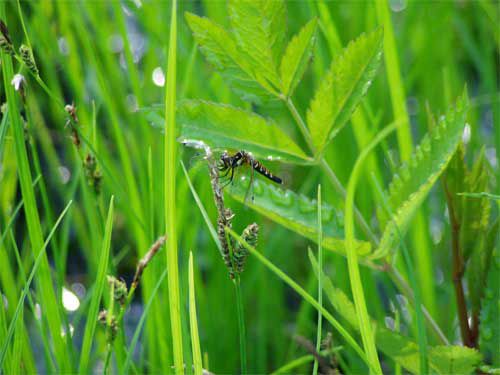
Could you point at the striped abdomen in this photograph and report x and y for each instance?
(264, 171)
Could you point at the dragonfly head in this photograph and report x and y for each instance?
(226, 160)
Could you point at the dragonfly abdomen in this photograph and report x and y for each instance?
(265, 172)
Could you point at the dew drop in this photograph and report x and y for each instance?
(257, 188)
(390, 323)
(63, 45)
(70, 300)
(279, 198)
(305, 205)
(326, 214)
(64, 174)
(158, 77)
(466, 134)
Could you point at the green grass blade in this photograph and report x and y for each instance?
(97, 293)
(20, 303)
(48, 298)
(306, 296)
(320, 280)
(140, 324)
(352, 257)
(203, 211)
(193, 321)
(171, 219)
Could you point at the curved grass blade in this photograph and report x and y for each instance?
(193, 321)
(352, 257)
(413, 181)
(20, 303)
(401, 349)
(97, 294)
(307, 297)
(140, 324)
(297, 213)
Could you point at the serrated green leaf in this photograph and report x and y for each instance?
(222, 52)
(343, 87)
(489, 328)
(413, 181)
(401, 349)
(224, 126)
(260, 30)
(297, 55)
(295, 212)
(454, 359)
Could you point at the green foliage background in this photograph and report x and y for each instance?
(102, 56)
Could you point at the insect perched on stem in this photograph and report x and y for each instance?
(228, 163)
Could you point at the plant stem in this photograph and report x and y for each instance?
(241, 324)
(458, 269)
(331, 175)
(300, 122)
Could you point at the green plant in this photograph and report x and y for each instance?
(406, 224)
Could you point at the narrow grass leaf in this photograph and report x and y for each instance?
(296, 57)
(306, 296)
(320, 283)
(297, 213)
(171, 218)
(401, 349)
(140, 324)
(343, 87)
(27, 285)
(352, 257)
(48, 298)
(100, 282)
(413, 181)
(193, 321)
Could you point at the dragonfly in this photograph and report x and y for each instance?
(228, 164)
